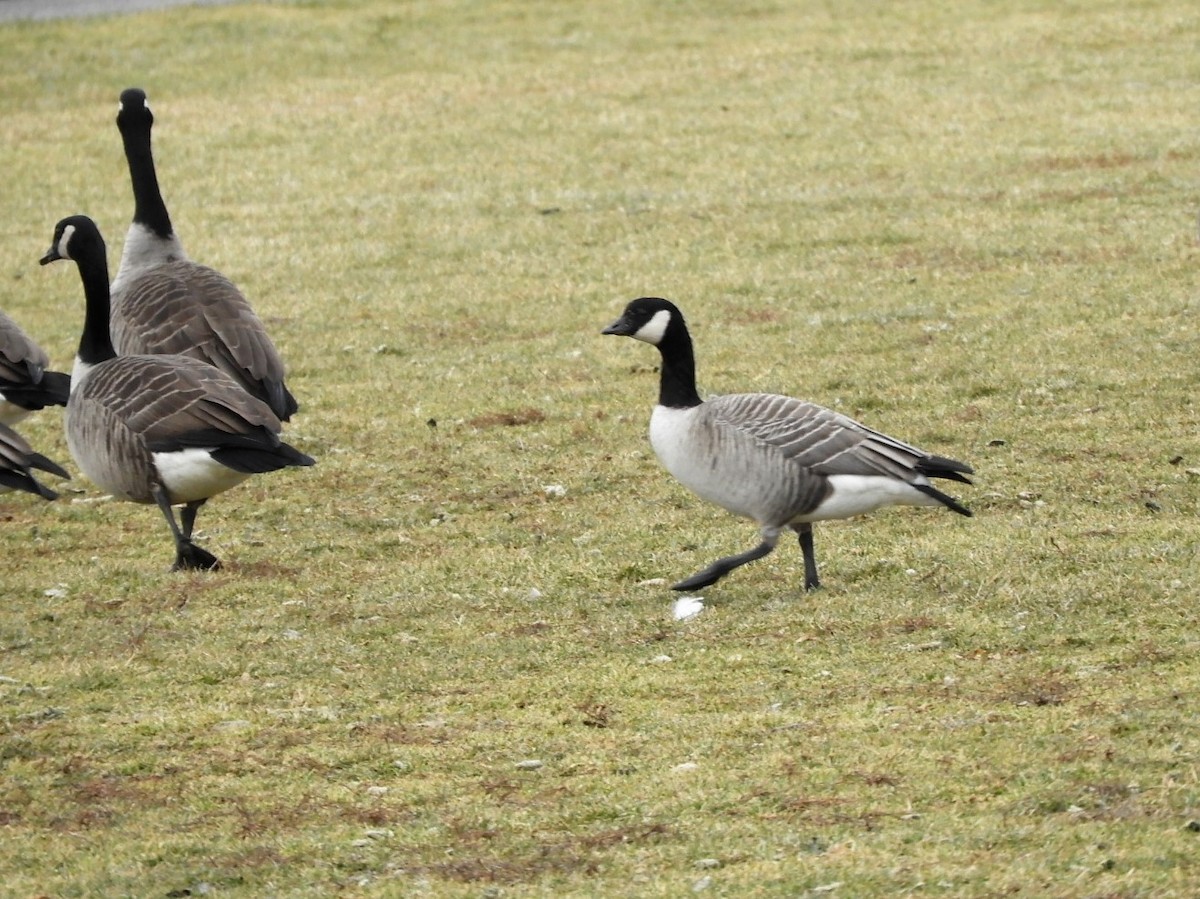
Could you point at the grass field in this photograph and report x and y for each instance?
(425, 668)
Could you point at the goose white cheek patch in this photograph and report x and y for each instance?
(65, 241)
(653, 330)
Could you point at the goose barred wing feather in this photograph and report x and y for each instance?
(17, 459)
(821, 440)
(166, 398)
(21, 360)
(189, 309)
(25, 385)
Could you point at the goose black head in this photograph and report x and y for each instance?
(646, 319)
(74, 237)
(133, 109)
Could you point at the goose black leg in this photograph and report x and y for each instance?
(811, 581)
(722, 567)
(187, 554)
(188, 516)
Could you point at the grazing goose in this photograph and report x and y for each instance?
(25, 385)
(783, 462)
(17, 460)
(162, 302)
(164, 429)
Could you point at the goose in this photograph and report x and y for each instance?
(25, 384)
(162, 302)
(17, 461)
(163, 429)
(782, 462)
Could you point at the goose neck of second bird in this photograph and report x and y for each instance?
(150, 210)
(677, 385)
(95, 343)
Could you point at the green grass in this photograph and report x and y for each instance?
(974, 228)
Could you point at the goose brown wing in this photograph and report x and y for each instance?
(21, 360)
(169, 399)
(193, 310)
(818, 439)
(17, 459)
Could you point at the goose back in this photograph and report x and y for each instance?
(781, 460)
(134, 422)
(164, 303)
(189, 309)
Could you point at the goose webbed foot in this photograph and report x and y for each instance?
(722, 567)
(190, 557)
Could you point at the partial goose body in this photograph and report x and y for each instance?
(25, 384)
(162, 302)
(18, 462)
(782, 462)
(162, 429)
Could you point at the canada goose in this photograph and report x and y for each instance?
(162, 302)
(783, 462)
(164, 429)
(25, 385)
(17, 459)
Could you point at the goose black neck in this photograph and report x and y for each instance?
(95, 344)
(149, 208)
(677, 385)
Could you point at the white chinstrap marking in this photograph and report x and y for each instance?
(64, 242)
(652, 332)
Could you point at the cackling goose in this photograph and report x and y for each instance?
(783, 462)
(163, 429)
(162, 302)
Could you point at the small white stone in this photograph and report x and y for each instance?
(376, 791)
(688, 607)
(686, 766)
(529, 765)
(659, 660)
(554, 489)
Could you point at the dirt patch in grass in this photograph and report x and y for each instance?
(509, 419)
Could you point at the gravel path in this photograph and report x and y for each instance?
(14, 10)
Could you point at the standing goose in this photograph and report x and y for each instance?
(162, 302)
(17, 461)
(783, 462)
(25, 385)
(164, 429)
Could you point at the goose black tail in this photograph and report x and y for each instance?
(948, 469)
(945, 499)
(38, 461)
